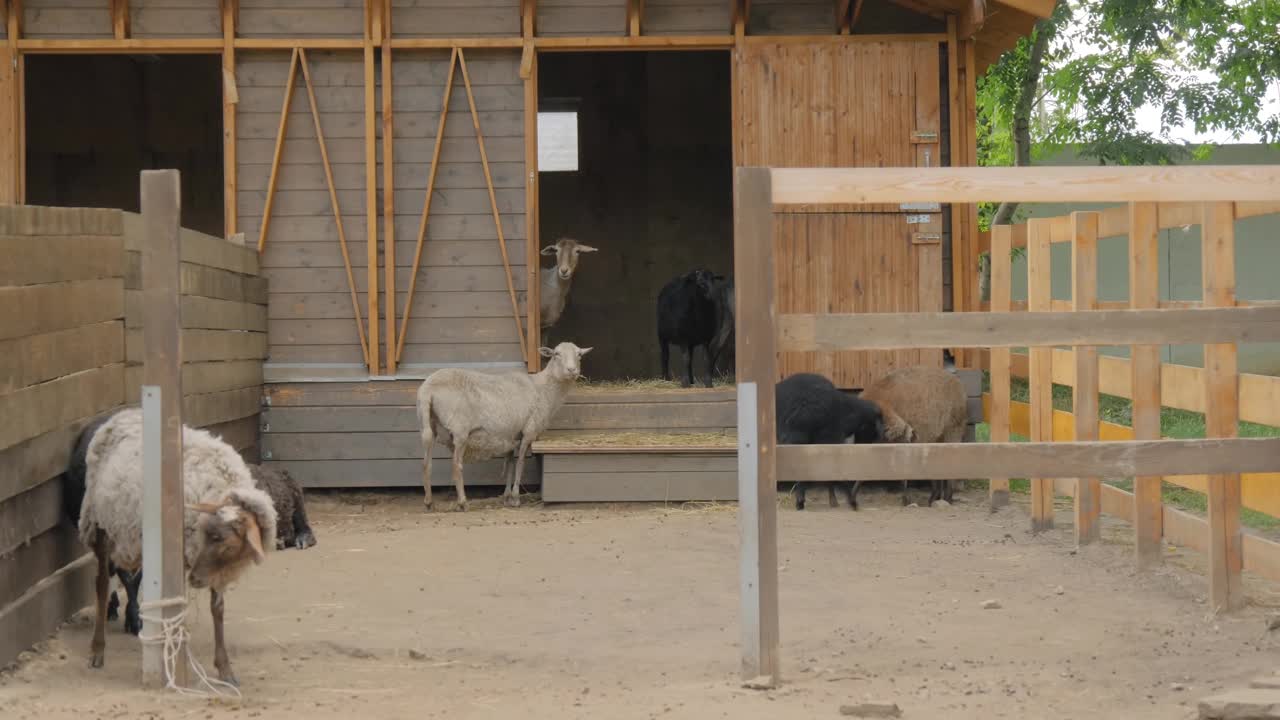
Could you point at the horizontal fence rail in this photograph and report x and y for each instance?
(893, 331)
(1201, 183)
(948, 461)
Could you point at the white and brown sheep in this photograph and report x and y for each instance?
(228, 525)
(480, 416)
(923, 405)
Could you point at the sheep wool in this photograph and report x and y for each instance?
(211, 470)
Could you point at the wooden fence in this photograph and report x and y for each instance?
(1219, 324)
(224, 333)
(70, 349)
(1163, 384)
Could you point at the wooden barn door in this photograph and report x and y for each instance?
(847, 103)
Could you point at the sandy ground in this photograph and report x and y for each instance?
(572, 612)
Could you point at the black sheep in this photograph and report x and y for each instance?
(687, 318)
(73, 498)
(812, 411)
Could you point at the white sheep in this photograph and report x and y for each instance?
(554, 281)
(479, 416)
(228, 523)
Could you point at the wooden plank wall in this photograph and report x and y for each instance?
(66, 19)
(300, 18)
(175, 18)
(453, 19)
(559, 18)
(686, 17)
(360, 434)
(791, 17)
(461, 308)
(62, 354)
(224, 320)
(310, 317)
(862, 102)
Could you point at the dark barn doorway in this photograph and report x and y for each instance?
(651, 187)
(93, 122)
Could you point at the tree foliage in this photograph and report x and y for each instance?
(1210, 64)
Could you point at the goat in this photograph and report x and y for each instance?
(227, 525)
(812, 411)
(924, 405)
(480, 416)
(554, 281)
(687, 318)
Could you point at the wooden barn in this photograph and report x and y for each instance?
(383, 157)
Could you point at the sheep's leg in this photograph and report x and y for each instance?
(906, 500)
(799, 489)
(113, 607)
(854, 487)
(459, 449)
(132, 582)
(217, 602)
(506, 479)
(688, 365)
(935, 491)
(98, 648)
(831, 495)
(304, 537)
(428, 442)
(513, 499)
(666, 358)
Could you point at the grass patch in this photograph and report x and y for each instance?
(1174, 423)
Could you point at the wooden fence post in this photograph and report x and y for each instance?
(1084, 296)
(757, 374)
(1218, 247)
(163, 574)
(1001, 405)
(1144, 367)
(1040, 299)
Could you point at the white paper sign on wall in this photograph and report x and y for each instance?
(557, 141)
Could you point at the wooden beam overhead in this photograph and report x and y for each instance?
(972, 18)
(1039, 8)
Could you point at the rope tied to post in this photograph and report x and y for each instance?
(173, 634)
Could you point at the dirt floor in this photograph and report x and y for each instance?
(632, 612)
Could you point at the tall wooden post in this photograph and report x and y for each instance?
(1041, 366)
(757, 456)
(162, 542)
(1144, 366)
(1222, 405)
(1001, 290)
(1084, 296)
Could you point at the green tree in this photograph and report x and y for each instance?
(1080, 76)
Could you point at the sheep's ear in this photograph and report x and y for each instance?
(586, 248)
(253, 533)
(549, 250)
(583, 351)
(209, 508)
(546, 352)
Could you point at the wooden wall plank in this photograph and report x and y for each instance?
(31, 563)
(300, 18)
(38, 358)
(206, 345)
(31, 261)
(220, 407)
(66, 19)
(1084, 296)
(31, 462)
(45, 606)
(687, 17)
(41, 408)
(586, 18)
(451, 19)
(1222, 410)
(175, 18)
(35, 309)
(1144, 292)
(29, 514)
(1041, 377)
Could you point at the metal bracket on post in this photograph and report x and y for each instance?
(748, 525)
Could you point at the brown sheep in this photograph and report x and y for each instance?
(292, 529)
(923, 405)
